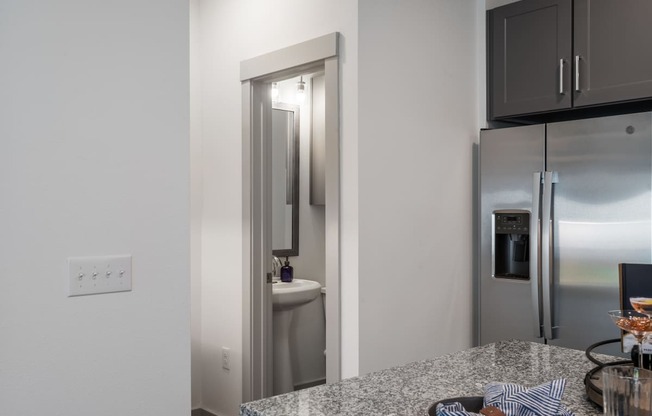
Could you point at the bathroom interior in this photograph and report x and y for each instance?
(298, 228)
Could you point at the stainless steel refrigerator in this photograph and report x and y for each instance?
(561, 205)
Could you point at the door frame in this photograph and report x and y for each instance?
(256, 75)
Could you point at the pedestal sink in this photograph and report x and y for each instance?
(285, 298)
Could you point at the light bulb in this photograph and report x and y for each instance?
(274, 91)
(301, 91)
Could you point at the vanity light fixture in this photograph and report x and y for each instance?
(274, 91)
(301, 91)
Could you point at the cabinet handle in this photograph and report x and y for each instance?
(577, 73)
(561, 76)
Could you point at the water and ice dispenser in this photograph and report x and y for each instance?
(511, 244)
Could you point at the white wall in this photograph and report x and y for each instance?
(94, 160)
(417, 124)
(233, 31)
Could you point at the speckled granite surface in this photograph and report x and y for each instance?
(412, 388)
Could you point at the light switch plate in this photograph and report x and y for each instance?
(102, 274)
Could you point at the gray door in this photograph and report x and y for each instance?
(508, 160)
(601, 207)
(529, 57)
(612, 51)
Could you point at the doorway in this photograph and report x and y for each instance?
(319, 55)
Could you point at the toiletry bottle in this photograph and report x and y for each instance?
(287, 272)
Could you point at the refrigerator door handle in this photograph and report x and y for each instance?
(547, 254)
(535, 269)
(561, 76)
(578, 58)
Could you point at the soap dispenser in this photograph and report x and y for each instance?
(287, 272)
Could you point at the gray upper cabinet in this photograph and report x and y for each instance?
(529, 57)
(551, 55)
(612, 51)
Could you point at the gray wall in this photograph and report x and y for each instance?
(417, 123)
(94, 160)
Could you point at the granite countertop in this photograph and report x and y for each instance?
(411, 389)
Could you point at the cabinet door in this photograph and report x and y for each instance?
(529, 57)
(612, 51)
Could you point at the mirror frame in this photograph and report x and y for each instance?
(292, 181)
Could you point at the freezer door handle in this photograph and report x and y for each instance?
(547, 256)
(535, 268)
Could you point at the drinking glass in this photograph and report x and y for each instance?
(637, 324)
(626, 390)
(642, 305)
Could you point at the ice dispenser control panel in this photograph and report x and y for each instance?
(511, 245)
(507, 223)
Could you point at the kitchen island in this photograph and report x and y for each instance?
(411, 389)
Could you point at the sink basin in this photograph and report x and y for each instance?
(286, 296)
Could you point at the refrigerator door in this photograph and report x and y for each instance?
(509, 160)
(601, 208)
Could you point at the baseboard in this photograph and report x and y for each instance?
(201, 412)
(309, 384)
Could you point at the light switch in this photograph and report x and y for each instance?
(102, 274)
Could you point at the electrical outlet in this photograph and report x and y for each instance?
(226, 358)
(93, 275)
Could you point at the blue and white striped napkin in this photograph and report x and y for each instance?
(516, 400)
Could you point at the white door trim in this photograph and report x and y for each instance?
(256, 242)
(332, 219)
(304, 53)
(256, 75)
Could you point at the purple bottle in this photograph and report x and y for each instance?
(287, 272)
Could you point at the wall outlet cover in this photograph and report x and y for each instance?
(226, 358)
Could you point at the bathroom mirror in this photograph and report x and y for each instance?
(285, 180)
